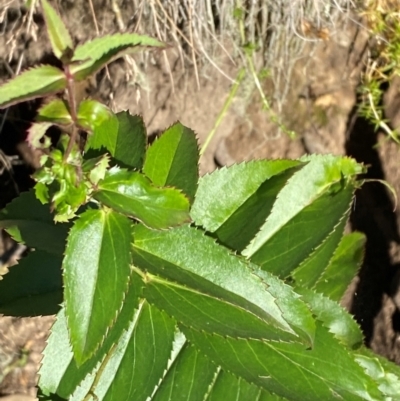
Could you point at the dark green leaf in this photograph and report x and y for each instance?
(30, 222)
(91, 56)
(172, 160)
(59, 373)
(292, 243)
(339, 322)
(133, 194)
(325, 372)
(187, 256)
(188, 378)
(56, 111)
(127, 144)
(96, 273)
(311, 269)
(37, 82)
(137, 361)
(343, 267)
(33, 287)
(60, 39)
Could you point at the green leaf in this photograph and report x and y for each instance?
(311, 269)
(385, 373)
(188, 378)
(325, 180)
(343, 267)
(172, 160)
(228, 387)
(205, 312)
(60, 39)
(96, 268)
(36, 82)
(133, 194)
(185, 255)
(234, 202)
(97, 118)
(56, 111)
(339, 322)
(293, 243)
(289, 370)
(94, 55)
(33, 287)
(137, 361)
(59, 373)
(224, 191)
(37, 139)
(126, 144)
(30, 222)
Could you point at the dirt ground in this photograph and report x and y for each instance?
(321, 107)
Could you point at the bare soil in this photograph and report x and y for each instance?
(321, 107)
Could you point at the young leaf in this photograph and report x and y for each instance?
(188, 378)
(205, 312)
(311, 269)
(137, 361)
(185, 255)
(37, 82)
(30, 222)
(343, 267)
(339, 322)
(293, 242)
(56, 112)
(33, 287)
(289, 370)
(37, 139)
(172, 160)
(132, 193)
(60, 39)
(64, 376)
(97, 118)
(126, 143)
(96, 268)
(234, 202)
(94, 55)
(299, 210)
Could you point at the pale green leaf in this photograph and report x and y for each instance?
(137, 361)
(185, 255)
(132, 193)
(56, 111)
(96, 273)
(172, 160)
(291, 370)
(311, 269)
(36, 136)
(33, 287)
(343, 267)
(222, 193)
(59, 373)
(333, 316)
(30, 222)
(94, 55)
(323, 175)
(295, 241)
(37, 82)
(60, 38)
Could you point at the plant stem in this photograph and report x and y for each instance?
(72, 107)
(225, 108)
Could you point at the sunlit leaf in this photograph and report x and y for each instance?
(36, 82)
(56, 111)
(172, 160)
(132, 193)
